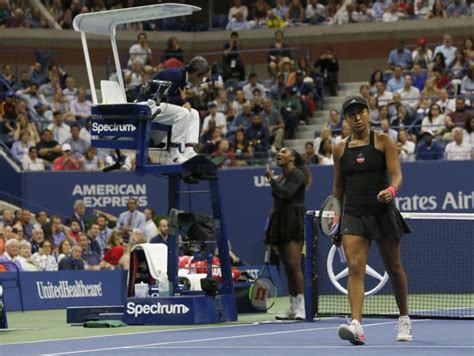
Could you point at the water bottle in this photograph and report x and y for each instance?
(164, 285)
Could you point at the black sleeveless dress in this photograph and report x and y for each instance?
(364, 172)
(286, 220)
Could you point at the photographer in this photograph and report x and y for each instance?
(232, 63)
(291, 110)
(329, 69)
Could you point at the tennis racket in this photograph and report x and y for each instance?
(330, 219)
(263, 292)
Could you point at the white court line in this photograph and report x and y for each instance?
(125, 334)
(216, 338)
(404, 346)
(157, 331)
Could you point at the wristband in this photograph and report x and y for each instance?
(392, 190)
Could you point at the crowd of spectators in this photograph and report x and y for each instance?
(243, 15)
(425, 103)
(44, 116)
(43, 242)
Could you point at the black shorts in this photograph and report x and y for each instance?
(388, 225)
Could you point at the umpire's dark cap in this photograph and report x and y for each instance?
(353, 101)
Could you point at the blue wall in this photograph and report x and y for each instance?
(428, 187)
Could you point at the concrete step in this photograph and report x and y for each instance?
(305, 135)
(297, 144)
(351, 85)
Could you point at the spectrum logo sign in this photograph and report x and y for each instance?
(113, 128)
(158, 308)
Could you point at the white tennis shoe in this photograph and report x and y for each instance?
(189, 152)
(353, 332)
(404, 330)
(290, 313)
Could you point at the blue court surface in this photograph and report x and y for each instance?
(431, 337)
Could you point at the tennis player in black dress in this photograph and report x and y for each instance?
(285, 228)
(367, 176)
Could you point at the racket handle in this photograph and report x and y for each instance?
(342, 255)
(267, 255)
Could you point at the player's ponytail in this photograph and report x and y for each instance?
(301, 165)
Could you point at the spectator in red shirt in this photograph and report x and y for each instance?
(224, 150)
(114, 250)
(66, 162)
(441, 78)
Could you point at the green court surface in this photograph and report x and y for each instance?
(51, 325)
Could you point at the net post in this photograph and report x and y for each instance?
(310, 307)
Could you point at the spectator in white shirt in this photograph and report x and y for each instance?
(406, 148)
(150, 227)
(24, 257)
(81, 107)
(393, 14)
(447, 105)
(31, 162)
(238, 7)
(44, 258)
(70, 92)
(133, 77)
(217, 117)
(383, 97)
(61, 131)
(435, 122)
(410, 94)
(253, 84)
(422, 55)
(140, 51)
(447, 49)
(364, 14)
(315, 12)
(458, 150)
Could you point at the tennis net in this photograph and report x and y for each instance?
(437, 257)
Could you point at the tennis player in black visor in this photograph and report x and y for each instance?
(367, 176)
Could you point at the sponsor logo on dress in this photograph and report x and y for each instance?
(360, 158)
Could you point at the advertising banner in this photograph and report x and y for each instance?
(61, 289)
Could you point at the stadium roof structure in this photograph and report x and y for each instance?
(104, 23)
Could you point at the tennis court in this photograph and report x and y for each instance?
(46, 333)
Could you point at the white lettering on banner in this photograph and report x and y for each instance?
(260, 181)
(453, 201)
(462, 201)
(110, 195)
(158, 308)
(64, 290)
(98, 128)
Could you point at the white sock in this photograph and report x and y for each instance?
(300, 301)
(404, 317)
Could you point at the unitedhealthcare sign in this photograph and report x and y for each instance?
(61, 289)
